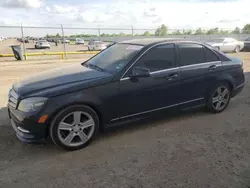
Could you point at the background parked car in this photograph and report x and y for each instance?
(226, 44)
(66, 41)
(3, 38)
(23, 40)
(247, 44)
(42, 44)
(79, 41)
(96, 45)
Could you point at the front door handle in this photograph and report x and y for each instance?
(212, 67)
(172, 76)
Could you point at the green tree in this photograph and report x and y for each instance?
(199, 31)
(187, 32)
(176, 32)
(213, 31)
(58, 35)
(121, 34)
(246, 29)
(223, 32)
(146, 33)
(236, 31)
(161, 31)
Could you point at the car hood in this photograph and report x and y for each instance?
(59, 80)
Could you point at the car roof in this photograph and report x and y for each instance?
(150, 41)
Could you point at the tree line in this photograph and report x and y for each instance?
(164, 31)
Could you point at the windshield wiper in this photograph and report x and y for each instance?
(94, 66)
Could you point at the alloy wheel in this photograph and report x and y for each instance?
(76, 128)
(220, 98)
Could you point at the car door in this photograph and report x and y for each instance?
(228, 45)
(156, 92)
(199, 68)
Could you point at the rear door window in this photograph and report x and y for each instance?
(161, 57)
(191, 54)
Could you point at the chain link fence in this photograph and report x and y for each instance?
(62, 39)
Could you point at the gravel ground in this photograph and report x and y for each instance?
(194, 149)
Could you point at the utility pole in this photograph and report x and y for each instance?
(64, 45)
(24, 47)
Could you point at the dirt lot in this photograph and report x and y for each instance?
(194, 149)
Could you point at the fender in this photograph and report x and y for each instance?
(227, 78)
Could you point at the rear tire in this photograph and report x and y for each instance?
(74, 127)
(219, 98)
(237, 49)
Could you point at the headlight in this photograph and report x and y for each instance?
(32, 104)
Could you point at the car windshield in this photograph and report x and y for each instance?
(247, 39)
(216, 40)
(114, 58)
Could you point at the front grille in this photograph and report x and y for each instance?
(13, 98)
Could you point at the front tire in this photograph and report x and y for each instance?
(74, 128)
(219, 98)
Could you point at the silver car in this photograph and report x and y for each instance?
(226, 44)
(96, 45)
(42, 44)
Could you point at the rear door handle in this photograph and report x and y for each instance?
(172, 76)
(212, 67)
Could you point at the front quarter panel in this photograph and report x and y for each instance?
(101, 98)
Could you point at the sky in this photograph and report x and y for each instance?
(176, 14)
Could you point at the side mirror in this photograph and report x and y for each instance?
(138, 72)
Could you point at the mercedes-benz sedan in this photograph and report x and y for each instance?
(127, 80)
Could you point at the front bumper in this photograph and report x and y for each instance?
(26, 127)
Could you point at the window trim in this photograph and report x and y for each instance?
(155, 45)
(199, 64)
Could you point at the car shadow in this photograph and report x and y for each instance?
(32, 49)
(4, 119)
(8, 138)
(156, 119)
